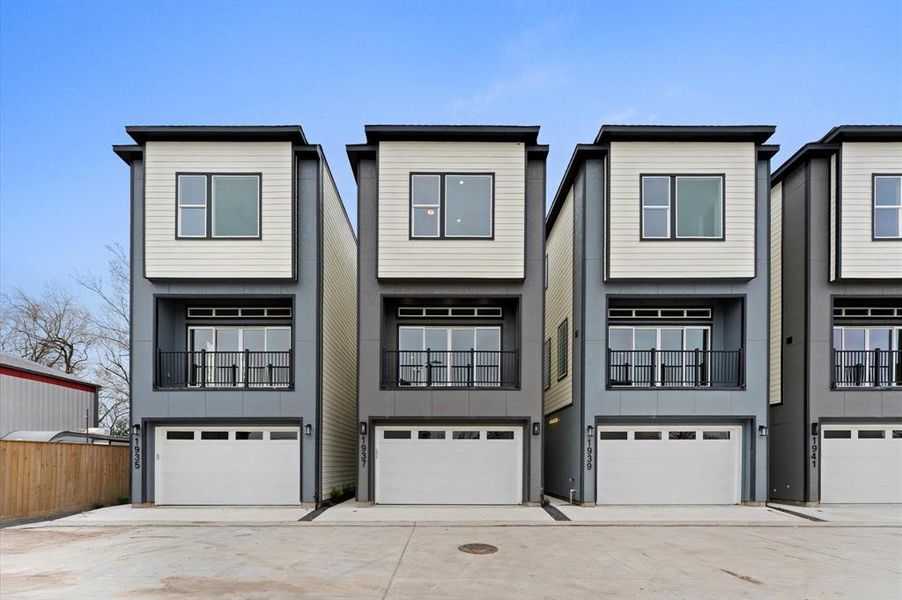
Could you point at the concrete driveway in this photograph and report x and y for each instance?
(341, 560)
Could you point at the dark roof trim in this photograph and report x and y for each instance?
(804, 153)
(768, 151)
(685, 133)
(452, 133)
(863, 133)
(580, 153)
(537, 151)
(356, 152)
(217, 133)
(128, 152)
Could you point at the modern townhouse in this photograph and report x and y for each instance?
(450, 280)
(243, 318)
(656, 320)
(836, 319)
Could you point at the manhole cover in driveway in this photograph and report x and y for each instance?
(478, 548)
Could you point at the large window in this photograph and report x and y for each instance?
(563, 337)
(888, 207)
(452, 356)
(238, 356)
(451, 205)
(668, 355)
(867, 355)
(682, 207)
(218, 206)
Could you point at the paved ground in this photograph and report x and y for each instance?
(347, 560)
(354, 512)
(885, 514)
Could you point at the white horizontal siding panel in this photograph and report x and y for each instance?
(401, 257)
(559, 303)
(861, 257)
(266, 258)
(631, 258)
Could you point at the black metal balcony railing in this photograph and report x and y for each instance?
(867, 368)
(455, 369)
(207, 369)
(675, 368)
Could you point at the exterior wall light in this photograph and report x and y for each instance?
(536, 428)
(590, 431)
(308, 429)
(762, 430)
(136, 428)
(363, 428)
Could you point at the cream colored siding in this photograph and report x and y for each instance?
(631, 258)
(559, 302)
(776, 292)
(268, 257)
(501, 257)
(832, 241)
(860, 256)
(339, 343)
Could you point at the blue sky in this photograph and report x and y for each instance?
(73, 74)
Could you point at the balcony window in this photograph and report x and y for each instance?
(888, 207)
(682, 207)
(669, 356)
(218, 206)
(867, 356)
(451, 205)
(450, 356)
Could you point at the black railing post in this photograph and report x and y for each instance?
(876, 367)
(247, 366)
(269, 372)
(471, 376)
(696, 370)
(203, 367)
(428, 367)
(833, 373)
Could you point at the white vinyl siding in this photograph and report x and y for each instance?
(776, 293)
(632, 258)
(559, 302)
(265, 258)
(832, 241)
(339, 335)
(860, 256)
(498, 258)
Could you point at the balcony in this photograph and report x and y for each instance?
(224, 370)
(866, 369)
(457, 369)
(675, 368)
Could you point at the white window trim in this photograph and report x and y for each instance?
(676, 206)
(216, 329)
(875, 207)
(448, 331)
(191, 206)
(665, 208)
(444, 215)
(415, 205)
(895, 330)
(257, 222)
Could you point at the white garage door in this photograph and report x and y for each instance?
(679, 464)
(227, 465)
(449, 464)
(861, 463)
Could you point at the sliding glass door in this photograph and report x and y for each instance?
(449, 356)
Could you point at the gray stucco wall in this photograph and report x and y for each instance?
(793, 440)
(523, 405)
(747, 407)
(159, 407)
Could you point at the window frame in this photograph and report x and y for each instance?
(442, 224)
(546, 364)
(672, 208)
(563, 358)
(209, 208)
(874, 207)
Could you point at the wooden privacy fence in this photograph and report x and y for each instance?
(43, 479)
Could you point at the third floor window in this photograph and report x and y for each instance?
(218, 206)
(888, 207)
(682, 207)
(451, 205)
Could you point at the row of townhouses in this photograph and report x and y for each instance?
(684, 327)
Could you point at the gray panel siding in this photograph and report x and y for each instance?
(747, 407)
(30, 405)
(524, 404)
(150, 407)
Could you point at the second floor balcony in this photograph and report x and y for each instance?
(450, 369)
(866, 369)
(224, 370)
(675, 368)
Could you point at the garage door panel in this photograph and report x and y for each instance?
(860, 468)
(228, 471)
(449, 470)
(669, 471)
